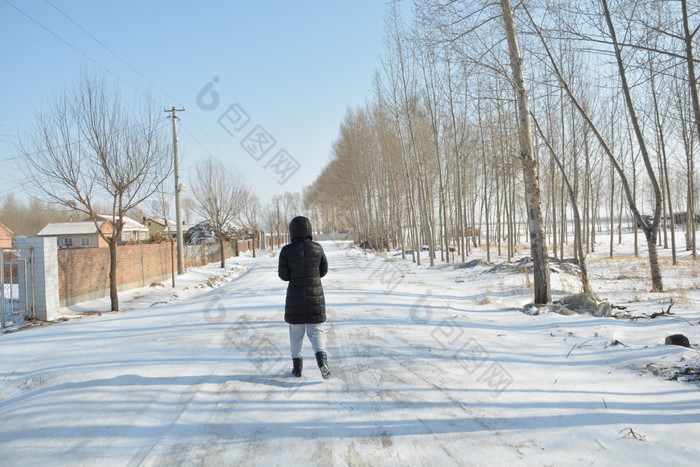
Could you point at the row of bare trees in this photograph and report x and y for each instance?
(222, 198)
(93, 153)
(26, 218)
(545, 121)
(89, 149)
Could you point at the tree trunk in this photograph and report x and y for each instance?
(222, 253)
(636, 227)
(255, 234)
(499, 236)
(650, 231)
(543, 293)
(612, 211)
(693, 84)
(578, 243)
(587, 194)
(692, 80)
(554, 209)
(113, 295)
(661, 142)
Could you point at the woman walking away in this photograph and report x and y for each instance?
(303, 263)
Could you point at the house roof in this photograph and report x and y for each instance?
(69, 228)
(129, 223)
(161, 221)
(5, 231)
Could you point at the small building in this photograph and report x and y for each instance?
(5, 237)
(132, 230)
(157, 225)
(77, 234)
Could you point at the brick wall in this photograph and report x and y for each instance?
(10, 270)
(245, 245)
(10, 273)
(276, 241)
(199, 255)
(83, 273)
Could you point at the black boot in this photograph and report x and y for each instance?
(323, 364)
(298, 365)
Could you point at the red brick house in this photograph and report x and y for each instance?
(5, 237)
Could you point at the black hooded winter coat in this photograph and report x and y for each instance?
(303, 263)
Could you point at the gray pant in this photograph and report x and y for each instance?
(316, 333)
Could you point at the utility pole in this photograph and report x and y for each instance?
(178, 188)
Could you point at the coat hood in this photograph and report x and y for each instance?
(300, 228)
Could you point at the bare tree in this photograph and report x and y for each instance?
(291, 207)
(686, 130)
(219, 193)
(279, 221)
(585, 283)
(543, 292)
(251, 216)
(89, 148)
(28, 218)
(161, 206)
(188, 206)
(269, 221)
(649, 228)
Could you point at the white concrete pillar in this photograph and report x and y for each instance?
(42, 294)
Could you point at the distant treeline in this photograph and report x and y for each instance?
(28, 217)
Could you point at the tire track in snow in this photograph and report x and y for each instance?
(162, 448)
(165, 447)
(346, 372)
(164, 451)
(475, 416)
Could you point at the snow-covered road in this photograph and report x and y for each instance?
(430, 367)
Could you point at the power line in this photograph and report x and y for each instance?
(194, 138)
(110, 71)
(84, 140)
(166, 94)
(71, 45)
(24, 181)
(9, 159)
(110, 51)
(12, 188)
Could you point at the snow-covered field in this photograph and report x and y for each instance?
(432, 366)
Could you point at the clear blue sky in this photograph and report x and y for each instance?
(293, 67)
